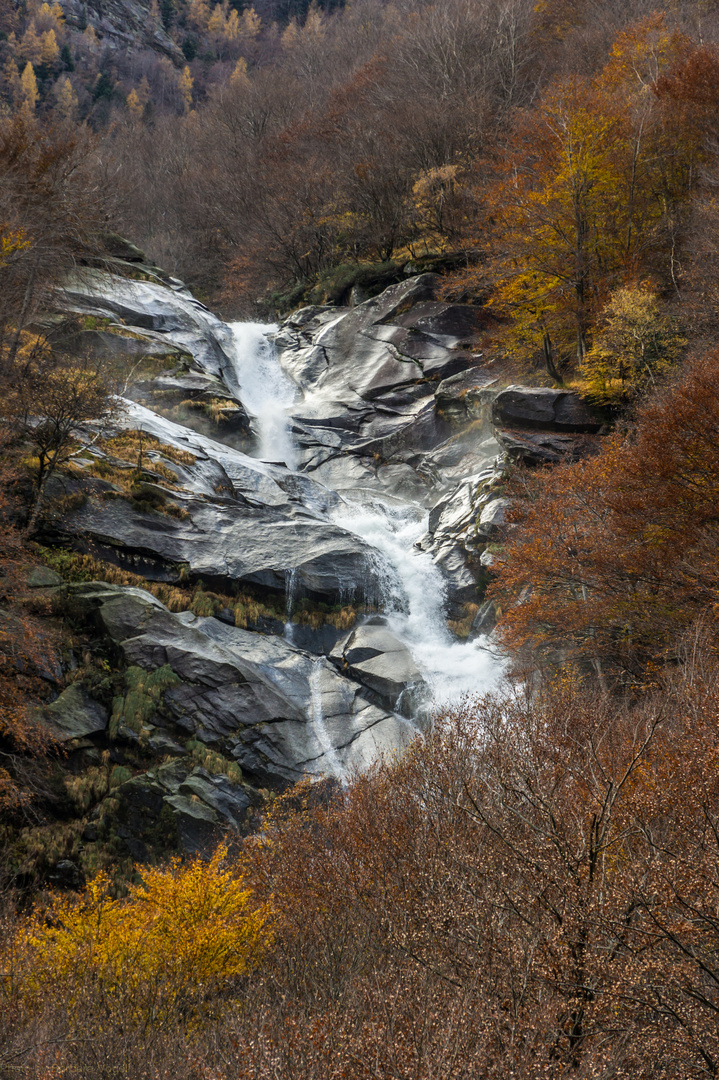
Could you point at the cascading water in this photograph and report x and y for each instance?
(414, 603)
(319, 726)
(264, 389)
(414, 591)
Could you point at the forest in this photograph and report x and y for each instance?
(530, 890)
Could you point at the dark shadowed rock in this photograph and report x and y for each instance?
(546, 448)
(544, 408)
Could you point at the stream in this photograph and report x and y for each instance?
(413, 592)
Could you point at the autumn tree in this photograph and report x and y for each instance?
(49, 198)
(614, 558)
(635, 344)
(589, 195)
(49, 399)
(183, 934)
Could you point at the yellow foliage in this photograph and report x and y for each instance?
(66, 99)
(31, 45)
(29, 87)
(635, 343)
(185, 84)
(198, 14)
(10, 242)
(50, 48)
(133, 104)
(186, 932)
(251, 23)
(216, 22)
(239, 75)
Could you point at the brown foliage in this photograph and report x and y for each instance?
(614, 558)
(529, 891)
(49, 198)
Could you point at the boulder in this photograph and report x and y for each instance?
(544, 408)
(373, 656)
(74, 714)
(42, 577)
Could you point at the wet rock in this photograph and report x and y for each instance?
(279, 712)
(369, 374)
(485, 620)
(493, 518)
(226, 544)
(372, 655)
(466, 396)
(229, 801)
(170, 312)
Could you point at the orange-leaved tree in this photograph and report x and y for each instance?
(587, 197)
(613, 558)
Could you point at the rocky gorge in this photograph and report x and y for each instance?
(331, 489)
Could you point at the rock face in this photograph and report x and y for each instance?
(543, 426)
(121, 24)
(395, 415)
(265, 527)
(224, 544)
(369, 376)
(279, 712)
(163, 311)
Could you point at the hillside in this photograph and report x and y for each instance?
(358, 679)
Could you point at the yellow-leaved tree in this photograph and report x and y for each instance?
(634, 344)
(181, 938)
(590, 195)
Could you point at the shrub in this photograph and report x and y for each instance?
(183, 934)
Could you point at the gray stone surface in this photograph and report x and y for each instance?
(227, 543)
(545, 447)
(369, 375)
(74, 714)
(372, 655)
(280, 712)
(148, 308)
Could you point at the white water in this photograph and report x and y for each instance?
(319, 726)
(413, 587)
(264, 389)
(414, 603)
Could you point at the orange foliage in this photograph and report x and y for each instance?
(589, 194)
(615, 557)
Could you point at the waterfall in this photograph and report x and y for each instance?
(414, 603)
(414, 595)
(290, 598)
(319, 726)
(264, 389)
